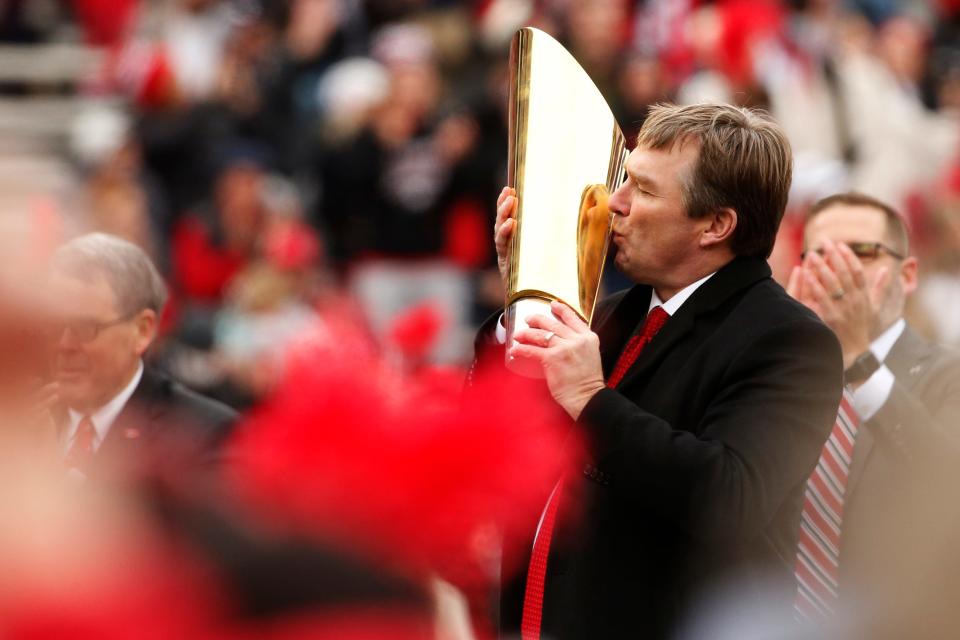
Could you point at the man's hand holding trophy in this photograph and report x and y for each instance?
(553, 223)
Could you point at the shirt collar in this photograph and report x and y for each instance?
(104, 417)
(884, 343)
(672, 305)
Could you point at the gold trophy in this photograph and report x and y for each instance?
(566, 156)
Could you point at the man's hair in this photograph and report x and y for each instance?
(744, 163)
(127, 268)
(898, 237)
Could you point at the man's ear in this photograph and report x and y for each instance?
(909, 274)
(146, 323)
(720, 227)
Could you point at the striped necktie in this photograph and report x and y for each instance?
(81, 449)
(818, 555)
(537, 571)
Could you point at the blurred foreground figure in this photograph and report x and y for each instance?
(896, 519)
(704, 396)
(354, 485)
(117, 412)
(392, 465)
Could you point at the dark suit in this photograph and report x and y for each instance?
(698, 458)
(164, 425)
(901, 513)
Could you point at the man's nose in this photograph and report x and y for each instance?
(618, 202)
(67, 340)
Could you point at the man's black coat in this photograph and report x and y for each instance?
(698, 458)
(164, 427)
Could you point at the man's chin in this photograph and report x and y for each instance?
(618, 259)
(621, 265)
(71, 390)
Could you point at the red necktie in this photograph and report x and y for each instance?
(818, 554)
(81, 451)
(651, 325)
(537, 571)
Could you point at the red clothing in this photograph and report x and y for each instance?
(202, 269)
(105, 22)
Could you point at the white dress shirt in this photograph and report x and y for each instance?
(873, 393)
(104, 417)
(673, 305)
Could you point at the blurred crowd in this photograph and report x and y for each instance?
(283, 158)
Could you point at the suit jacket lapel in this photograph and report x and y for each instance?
(136, 420)
(906, 352)
(861, 452)
(735, 276)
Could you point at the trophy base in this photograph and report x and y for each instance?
(515, 318)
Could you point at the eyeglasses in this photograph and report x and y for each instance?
(864, 250)
(83, 329)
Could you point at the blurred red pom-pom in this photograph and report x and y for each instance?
(415, 331)
(292, 245)
(136, 594)
(401, 469)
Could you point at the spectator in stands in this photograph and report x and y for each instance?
(118, 207)
(211, 246)
(270, 304)
(597, 31)
(195, 33)
(388, 193)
